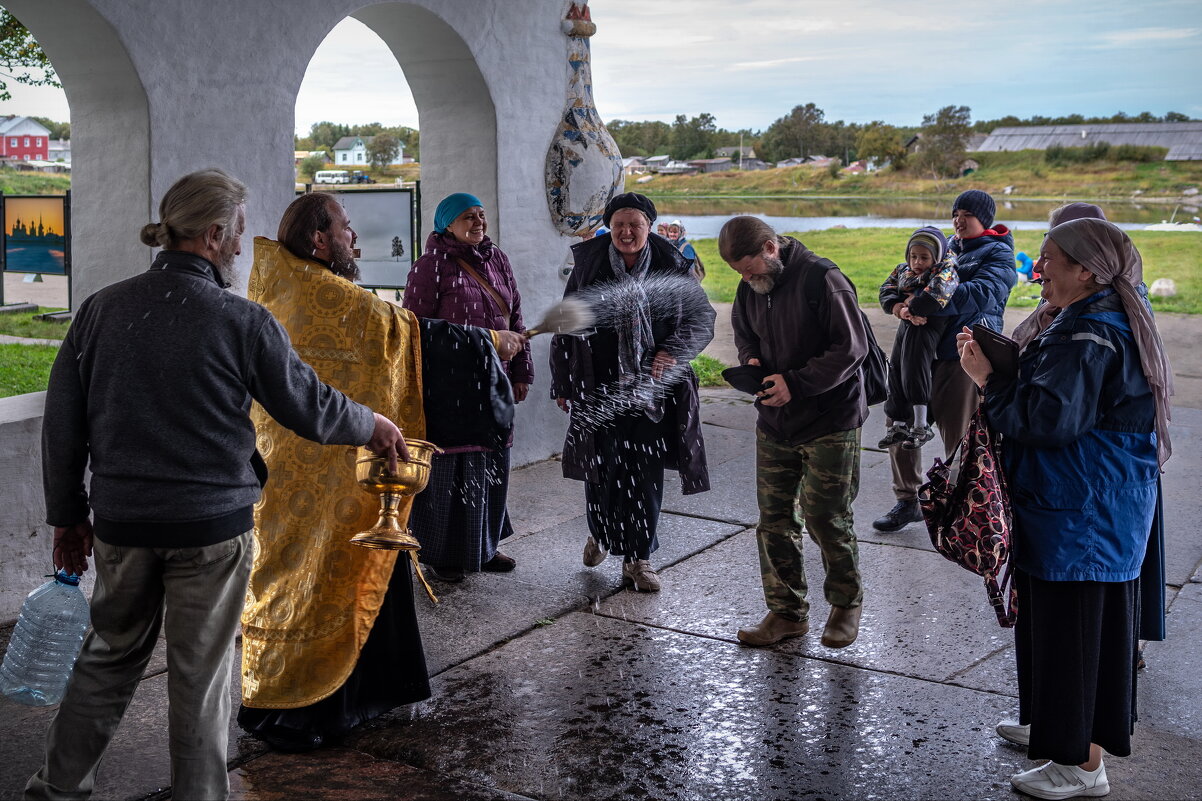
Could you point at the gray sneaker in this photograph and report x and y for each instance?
(640, 576)
(594, 553)
(1013, 732)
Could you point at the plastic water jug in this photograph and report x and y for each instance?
(45, 642)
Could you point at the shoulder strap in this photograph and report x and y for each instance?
(815, 282)
(487, 287)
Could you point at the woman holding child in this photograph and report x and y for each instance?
(1085, 431)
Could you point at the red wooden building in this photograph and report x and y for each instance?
(23, 139)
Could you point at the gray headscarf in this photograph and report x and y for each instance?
(1045, 312)
(1107, 252)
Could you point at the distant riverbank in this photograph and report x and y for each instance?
(1025, 173)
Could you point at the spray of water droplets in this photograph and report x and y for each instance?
(616, 304)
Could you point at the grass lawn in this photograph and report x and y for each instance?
(866, 255)
(23, 325)
(25, 368)
(709, 371)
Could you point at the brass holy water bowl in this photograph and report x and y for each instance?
(410, 478)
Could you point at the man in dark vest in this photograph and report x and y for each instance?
(795, 315)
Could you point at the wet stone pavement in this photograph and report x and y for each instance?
(554, 683)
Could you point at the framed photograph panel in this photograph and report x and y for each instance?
(384, 221)
(36, 234)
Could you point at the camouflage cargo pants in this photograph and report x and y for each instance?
(821, 478)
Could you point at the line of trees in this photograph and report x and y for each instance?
(805, 132)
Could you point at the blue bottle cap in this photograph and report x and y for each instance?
(67, 578)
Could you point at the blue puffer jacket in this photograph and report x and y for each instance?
(1079, 447)
(985, 265)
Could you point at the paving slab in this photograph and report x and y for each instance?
(597, 708)
(923, 616)
(137, 763)
(1170, 688)
(549, 580)
(343, 773)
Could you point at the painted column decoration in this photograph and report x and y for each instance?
(584, 167)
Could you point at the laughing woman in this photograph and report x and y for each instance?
(1085, 431)
(464, 278)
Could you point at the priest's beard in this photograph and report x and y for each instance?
(342, 262)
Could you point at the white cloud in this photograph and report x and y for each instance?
(776, 62)
(1141, 36)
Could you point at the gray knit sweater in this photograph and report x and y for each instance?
(151, 390)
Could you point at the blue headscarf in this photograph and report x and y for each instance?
(451, 207)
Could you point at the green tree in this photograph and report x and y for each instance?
(410, 138)
(794, 134)
(691, 137)
(311, 165)
(382, 150)
(646, 138)
(944, 139)
(21, 57)
(881, 143)
(58, 130)
(325, 134)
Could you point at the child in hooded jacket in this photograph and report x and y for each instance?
(924, 282)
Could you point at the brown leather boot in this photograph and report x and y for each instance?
(842, 627)
(772, 629)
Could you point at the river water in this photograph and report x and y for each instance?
(703, 217)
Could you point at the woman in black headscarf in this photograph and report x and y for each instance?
(638, 357)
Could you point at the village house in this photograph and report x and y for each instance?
(656, 163)
(712, 165)
(23, 139)
(1182, 136)
(60, 151)
(352, 150)
(634, 165)
(300, 155)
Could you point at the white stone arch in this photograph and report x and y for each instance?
(110, 135)
(458, 119)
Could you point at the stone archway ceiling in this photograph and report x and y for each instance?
(584, 166)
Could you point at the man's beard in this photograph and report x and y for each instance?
(224, 264)
(765, 283)
(342, 262)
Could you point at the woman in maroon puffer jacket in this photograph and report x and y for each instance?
(464, 278)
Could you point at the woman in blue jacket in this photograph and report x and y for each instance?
(1085, 431)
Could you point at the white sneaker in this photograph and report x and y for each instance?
(1014, 732)
(594, 553)
(1053, 780)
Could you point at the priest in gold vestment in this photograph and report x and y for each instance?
(329, 632)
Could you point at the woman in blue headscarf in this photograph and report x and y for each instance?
(463, 277)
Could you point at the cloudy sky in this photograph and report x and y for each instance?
(748, 62)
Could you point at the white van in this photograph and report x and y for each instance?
(331, 177)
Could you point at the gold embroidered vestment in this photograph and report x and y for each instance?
(313, 596)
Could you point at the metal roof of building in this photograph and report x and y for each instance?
(1041, 137)
(1184, 153)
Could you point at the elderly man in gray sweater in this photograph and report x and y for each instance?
(151, 390)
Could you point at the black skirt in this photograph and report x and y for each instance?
(1075, 645)
(391, 671)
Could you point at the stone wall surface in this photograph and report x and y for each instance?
(159, 88)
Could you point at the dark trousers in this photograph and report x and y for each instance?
(1075, 646)
(910, 366)
(953, 400)
(623, 508)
